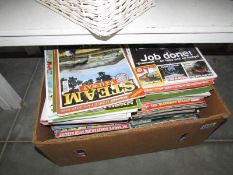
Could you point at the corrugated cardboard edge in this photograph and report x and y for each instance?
(34, 136)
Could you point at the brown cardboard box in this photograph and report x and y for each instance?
(75, 150)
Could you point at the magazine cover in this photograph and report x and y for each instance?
(170, 65)
(49, 114)
(90, 78)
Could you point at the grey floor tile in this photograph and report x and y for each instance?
(223, 66)
(24, 126)
(206, 159)
(17, 72)
(1, 146)
(22, 158)
(6, 120)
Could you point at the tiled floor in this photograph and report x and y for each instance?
(18, 156)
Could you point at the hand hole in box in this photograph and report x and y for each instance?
(81, 153)
(182, 137)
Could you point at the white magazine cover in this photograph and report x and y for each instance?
(157, 65)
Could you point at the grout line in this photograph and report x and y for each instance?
(19, 110)
(16, 141)
(219, 140)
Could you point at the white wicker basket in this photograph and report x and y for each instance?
(101, 17)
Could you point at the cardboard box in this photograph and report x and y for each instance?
(80, 149)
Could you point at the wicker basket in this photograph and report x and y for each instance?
(101, 17)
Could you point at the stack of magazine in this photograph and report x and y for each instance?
(175, 80)
(92, 89)
(89, 90)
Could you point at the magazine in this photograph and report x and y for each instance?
(74, 130)
(160, 120)
(50, 116)
(169, 109)
(182, 86)
(178, 93)
(48, 54)
(92, 78)
(163, 112)
(170, 102)
(101, 114)
(156, 66)
(108, 118)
